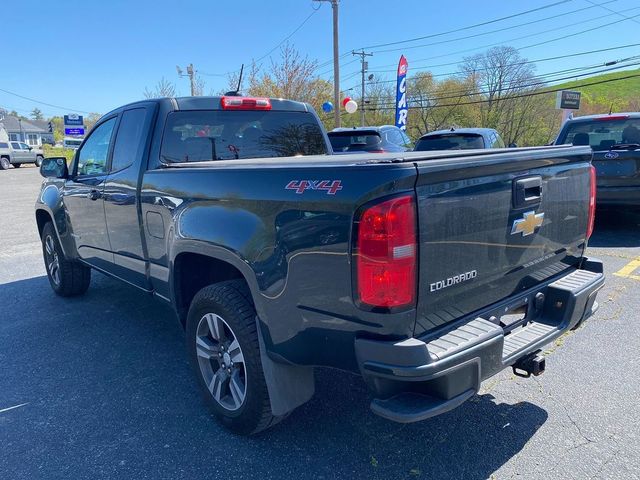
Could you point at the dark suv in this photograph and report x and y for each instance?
(615, 140)
(386, 138)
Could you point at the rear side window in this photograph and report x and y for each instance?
(459, 141)
(603, 133)
(200, 135)
(129, 142)
(354, 141)
(4, 145)
(15, 145)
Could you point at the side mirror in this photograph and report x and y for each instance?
(513, 145)
(30, 148)
(54, 167)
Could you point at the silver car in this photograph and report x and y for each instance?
(17, 153)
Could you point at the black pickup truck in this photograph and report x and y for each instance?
(425, 272)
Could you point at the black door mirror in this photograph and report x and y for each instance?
(30, 148)
(54, 167)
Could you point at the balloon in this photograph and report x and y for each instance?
(351, 106)
(345, 100)
(327, 107)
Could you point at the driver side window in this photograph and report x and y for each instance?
(92, 157)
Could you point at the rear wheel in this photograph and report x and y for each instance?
(66, 277)
(222, 342)
(4, 163)
(17, 165)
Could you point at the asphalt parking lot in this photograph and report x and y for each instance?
(100, 387)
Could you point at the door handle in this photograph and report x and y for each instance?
(94, 195)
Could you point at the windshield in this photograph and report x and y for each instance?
(355, 141)
(602, 134)
(195, 136)
(450, 141)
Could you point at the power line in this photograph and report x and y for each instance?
(533, 94)
(490, 31)
(598, 27)
(315, 10)
(558, 57)
(469, 26)
(44, 103)
(602, 5)
(533, 82)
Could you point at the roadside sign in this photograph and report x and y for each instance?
(74, 131)
(568, 99)
(73, 119)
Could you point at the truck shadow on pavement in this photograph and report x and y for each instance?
(108, 392)
(616, 229)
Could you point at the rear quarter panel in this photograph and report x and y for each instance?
(293, 248)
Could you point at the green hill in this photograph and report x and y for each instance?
(623, 94)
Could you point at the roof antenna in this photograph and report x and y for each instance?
(610, 109)
(236, 92)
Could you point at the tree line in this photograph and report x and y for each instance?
(489, 89)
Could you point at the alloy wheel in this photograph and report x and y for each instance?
(52, 260)
(221, 361)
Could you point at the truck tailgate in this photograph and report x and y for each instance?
(496, 225)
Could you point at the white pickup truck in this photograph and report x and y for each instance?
(17, 153)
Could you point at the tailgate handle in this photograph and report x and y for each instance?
(527, 191)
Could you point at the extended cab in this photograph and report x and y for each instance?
(426, 273)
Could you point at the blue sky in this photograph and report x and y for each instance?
(96, 55)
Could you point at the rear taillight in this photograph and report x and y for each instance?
(386, 254)
(592, 200)
(245, 103)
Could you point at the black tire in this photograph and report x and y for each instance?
(231, 302)
(4, 163)
(66, 277)
(39, 159)
(17, 165)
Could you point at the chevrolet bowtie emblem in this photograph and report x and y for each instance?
(528, 224)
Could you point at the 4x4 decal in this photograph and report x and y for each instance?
(300, 186)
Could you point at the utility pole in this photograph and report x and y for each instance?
(336, 63)
(365, 66)
(190, 73)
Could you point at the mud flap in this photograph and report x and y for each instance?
(289, 386)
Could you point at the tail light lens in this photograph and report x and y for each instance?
(592, 200)
(386, 254)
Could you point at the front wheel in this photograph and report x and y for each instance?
(39, 159)
(66, 277)
(4, 163)
(222, 342)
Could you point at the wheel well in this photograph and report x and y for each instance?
(42, 217)
(192, 272)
